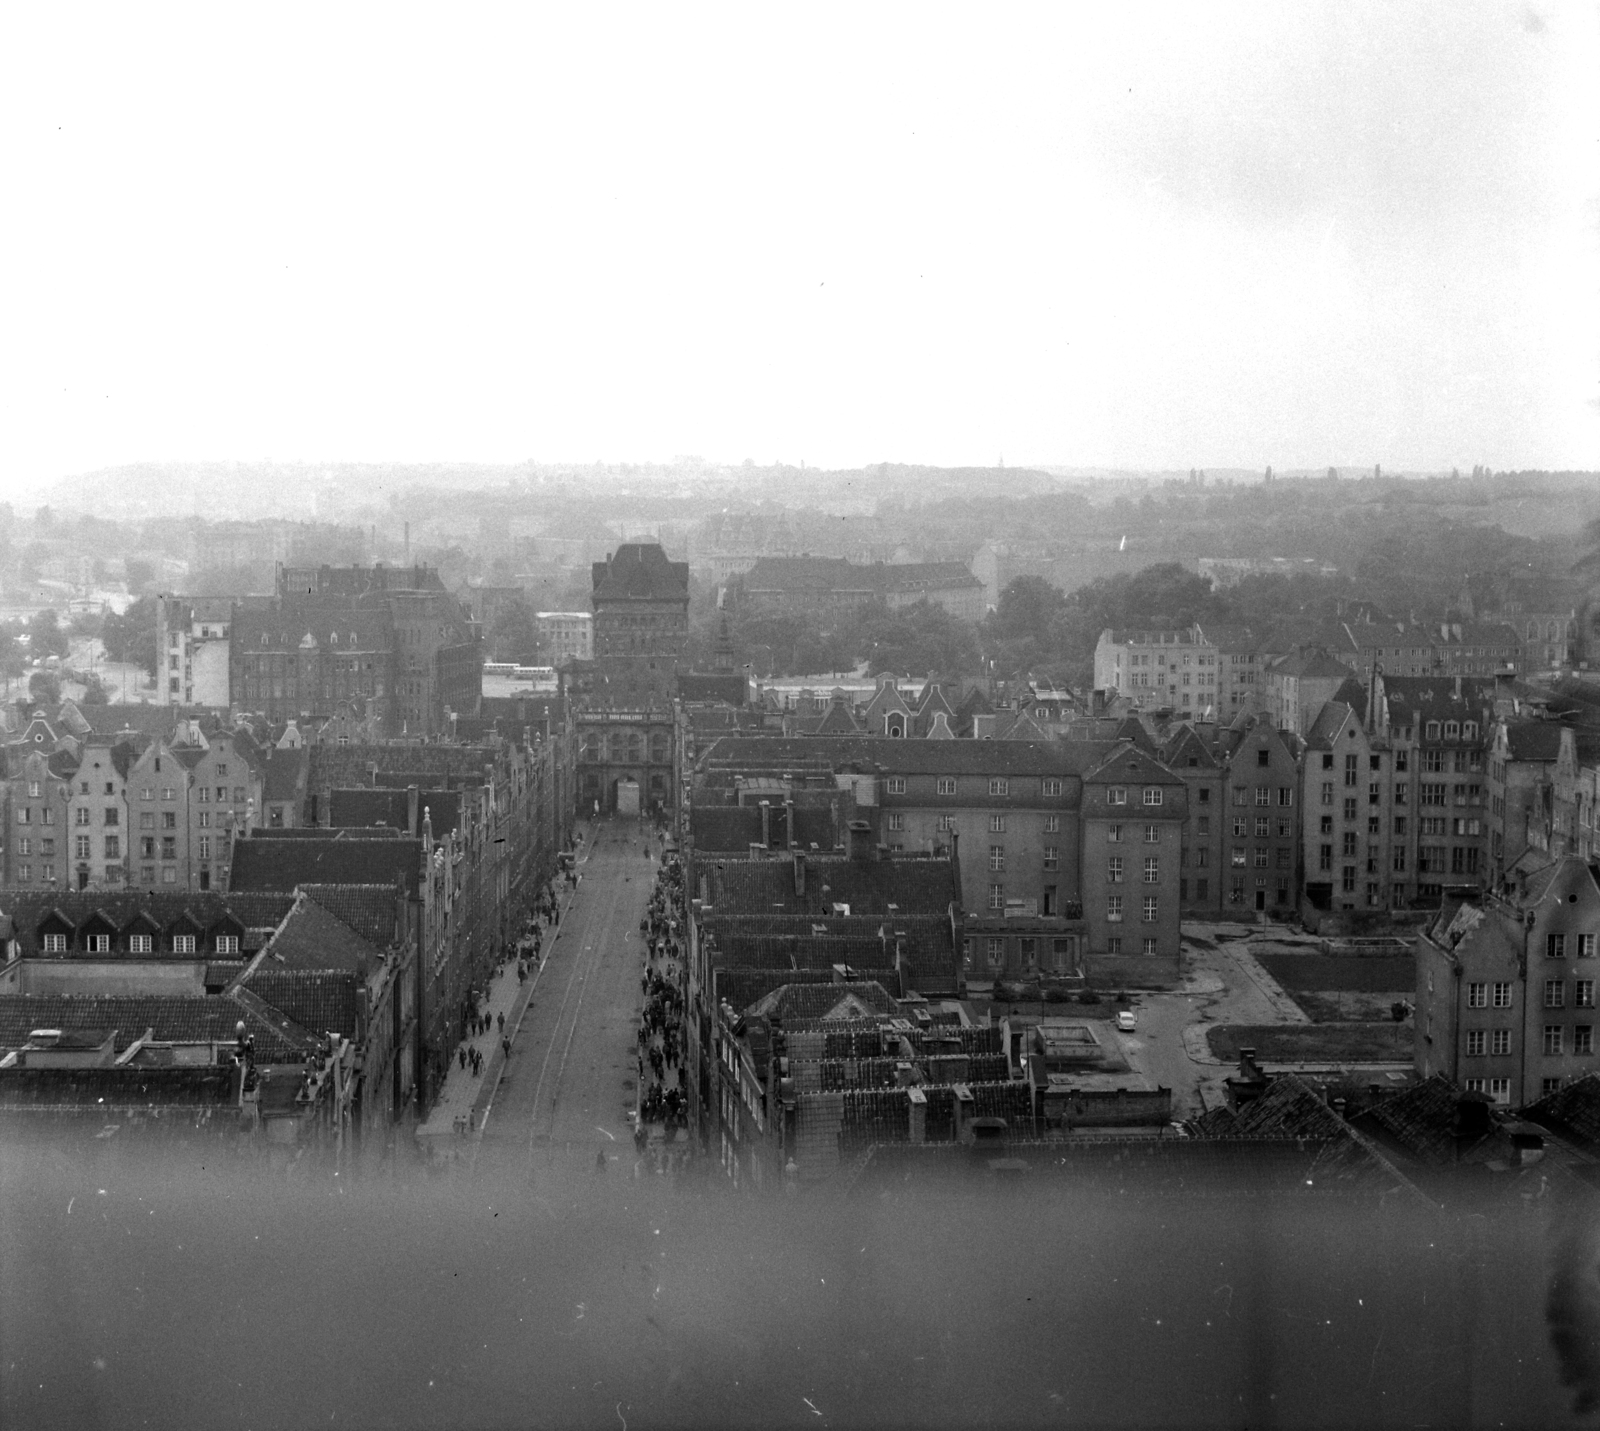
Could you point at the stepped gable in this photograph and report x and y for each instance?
(287, 864)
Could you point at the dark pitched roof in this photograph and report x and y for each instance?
(1534, 740)
(284, 775)
(196, 1018)
(142, 911)
(640, 571)
(1423, 1119)
(319, 1000)
(287, 864)
(794, 1002)
(903, 757)
(312, 938)
(868, 886)
(1573, 1109)
(369, 909)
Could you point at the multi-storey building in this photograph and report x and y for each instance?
(1195, 754)
(1300, 684)
(193, 645)
(566, 636)
(1532, 793)
(1348, 804)
(37, 798)
(641, 604)
(1506, 987)
(1262, 826)
(98, 811)
(1180, 671)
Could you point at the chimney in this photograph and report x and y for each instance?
(766, 824)
(966, 1107)
(412, 812)
(788, 821)
(861, 843)
(919, 1114)
(799, 872)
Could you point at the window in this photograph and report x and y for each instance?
(1373, 793)
(1350, 766)
(1114, 869)
(897, 821)
(55, 944)
(1203, 825)
(999, 786)
(1052, 787)
(205, 847)
(139, 943)
(1502, 996)
(1241, 796)
(1583, 1038)
(1052, 858)
(1400, 826)
(1586, 946)
(1400, 794)
(112, 818)
(1259, 859)
(1114, 834)
(98, 943)
(1285, 795)
(1500, 1042)
(205, 820)
(113, 847)
(896, 783)
(946, 785)
(1263, 794)
(994, 948)
(183, 944)
(1152, 834)
(1583, 994)
(24, 815)
(1555, 946)
(1400, 860)
(1325, 857)
(81, 848)
(1349, 847)
(946, 823)
(1263, 829)
(1152, 870)
(1241, 828)
(1149, 909)
(1350, 808)
(80, 815)
(1149, 946)
(1117, 795)
(168, 793)
(1553, 1040)
(1114, 908)
(169, 847)
(997, 857)
(1348, 881)
(1114, 943)
(997, 896)
(997, 824)
(1327, 792)
(1555, 993)
(1052, 824)
(24, 846)
(1240, 858)
(1152, 794)
(169, 819)
(1477, 1043)
(1500, 1090)
(203, 794)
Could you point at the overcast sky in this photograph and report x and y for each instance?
(1141, 236)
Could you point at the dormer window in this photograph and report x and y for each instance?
(55, 944)
(183, 944)
(227, 943)
(1452, 730)
(99, 943)
(1469, 730)
(1433, 730)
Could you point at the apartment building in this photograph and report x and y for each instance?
(1506, 987)
(1349, 803)
(193, 645)
(1180, 670)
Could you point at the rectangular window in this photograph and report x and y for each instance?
(183, 944)
(1348, 880)
(1263, 829)
(1325, 857)
(1052, 824)
(997, 824)
(1114, 834)
(1263, 794)
(896, 783)
(1555, 993)
(947, 785)
(55, 944)
(139, 943)
(1114, 869)
(1152, 870)
(1203, 825)
(1114, 908)
(169, 819)
(1586, 946)
(997, 857)
(1149, 946)
(1241, 828)
(1583, 994)
(1553, 1040)
(203, 794)
(1502, 996)
(997, 896)
(994, 949)
(1500, 1042)
(1583, 1038)
(1373, 795)
(80, 815)
(1400, 860)
(1241, 795)
(1052, 787)
(1285, 795)
(1327, 792)
(999, 785)
(1500, 1090)
(896, 821)
(205, 820)
(1149, 909)
(113, 847)
(1052, 858)
(1555, 946)
(1477, 1043)
(946, 824)
(112, 817)
(169, 847)
(81, 848)
(1350, 808)
(1152, 794)
(1114, 943)
(1117, 795)
(205, 847)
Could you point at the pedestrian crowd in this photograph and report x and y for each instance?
(660, 1057)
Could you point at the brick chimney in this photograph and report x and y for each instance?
(861, 843)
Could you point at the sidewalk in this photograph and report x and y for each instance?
(463, 1103)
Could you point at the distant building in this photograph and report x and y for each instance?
(192, 651)
(827, 588)
(566, 636)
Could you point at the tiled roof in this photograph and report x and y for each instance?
(144, 909)
(639, 571)
(1422, 1119)
(821, 1001)
(1127, 762)
(1310, 665)
(349, 767)
(903, 757)
(312, 938)
(1326, 727)
(1573, 1109)
(287, 864)
(284, 775)
(363, 808)
(1534, 740)
(319, 1000)
(916, 886)
(369, 909)
(194, 1018)
(110, 1091)
(807, 574)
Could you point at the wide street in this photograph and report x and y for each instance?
(570, 1085)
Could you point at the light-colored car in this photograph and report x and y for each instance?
(1125, 1021)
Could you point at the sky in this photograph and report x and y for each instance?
(1149, 237)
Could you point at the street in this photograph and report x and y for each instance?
(570, 1084)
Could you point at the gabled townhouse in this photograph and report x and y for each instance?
(1532, 790)
(98, 811)
(37, 798)
(1261, 779)
(1349, 805)
(1506, 986)
(1191, 752)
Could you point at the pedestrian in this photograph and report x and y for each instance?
(501, 1018)
(505, 1046)
(463, 1052)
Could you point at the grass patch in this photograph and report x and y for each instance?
(1380, 974)
(1312, 1043)
(1342, 1007)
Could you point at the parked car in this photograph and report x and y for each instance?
(1126, 1022)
